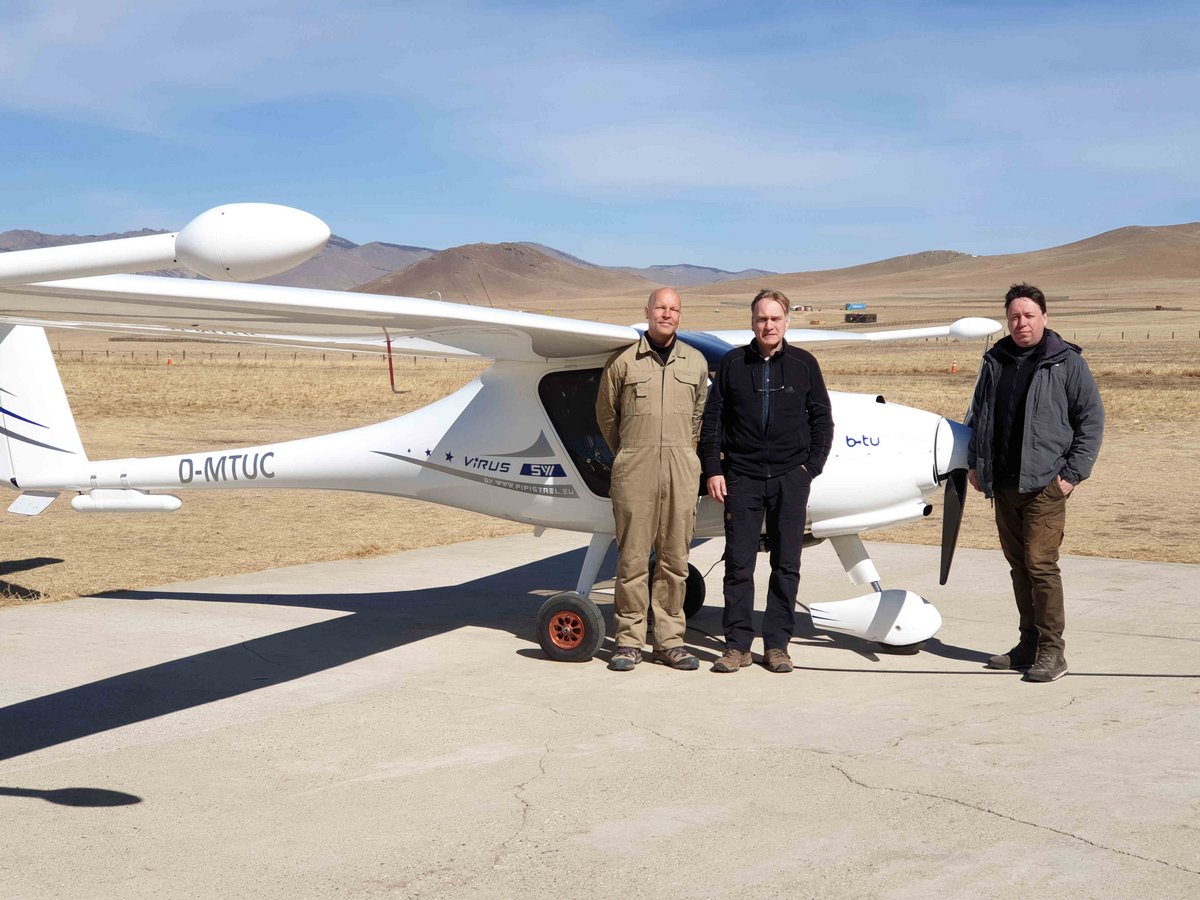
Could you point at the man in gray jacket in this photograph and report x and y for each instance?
(1038, 423)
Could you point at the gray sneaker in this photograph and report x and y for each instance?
(732, 660)
(676, 658)
(624, 659)
(1050, 665)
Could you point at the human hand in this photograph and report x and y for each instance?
(1065, 486)
(974, 479)
(716, 488)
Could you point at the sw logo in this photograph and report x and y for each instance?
(543, 470)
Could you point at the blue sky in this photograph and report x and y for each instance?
(787, 136)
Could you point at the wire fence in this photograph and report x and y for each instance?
(229, 354)
(248, 356)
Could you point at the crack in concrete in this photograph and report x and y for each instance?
(896, 742)
(589, 716)
(250, 649)
(991, 812)
(518, 790)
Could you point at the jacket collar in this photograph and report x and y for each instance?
(753, 354)
(679, 350)
(1053, 347)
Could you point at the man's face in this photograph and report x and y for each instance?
(662, 317)
(1026, 322)
(769, 322)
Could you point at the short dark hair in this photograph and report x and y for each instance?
(1027, 291)
(768, 294)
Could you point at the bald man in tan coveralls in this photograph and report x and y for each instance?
(649, 408)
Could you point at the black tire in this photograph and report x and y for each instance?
(570, 628)
(901, 649)
(696, 589)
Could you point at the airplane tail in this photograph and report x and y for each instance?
(39, 443)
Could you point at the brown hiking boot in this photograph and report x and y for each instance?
(732, 660)
(777, 661)
(676, 658)
(1019, 657)
(1050, 665)
(624, 659)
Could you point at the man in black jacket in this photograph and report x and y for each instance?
(768, 414)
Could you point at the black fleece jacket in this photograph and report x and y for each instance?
(766, 416)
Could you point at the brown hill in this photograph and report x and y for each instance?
(24, 239)
(342, 265)
(1106, 263)
(514, 275)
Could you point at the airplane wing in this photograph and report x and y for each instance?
(968, 328)
(251, 240)
(304, 317)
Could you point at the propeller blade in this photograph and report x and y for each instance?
(952, 513)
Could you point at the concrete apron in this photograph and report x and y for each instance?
(389, 727)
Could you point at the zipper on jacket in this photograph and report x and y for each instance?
(766, 414)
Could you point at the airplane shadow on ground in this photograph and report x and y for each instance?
(23, 565)
(74, 796)
(376, 622)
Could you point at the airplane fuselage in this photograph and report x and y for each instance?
(520, 442)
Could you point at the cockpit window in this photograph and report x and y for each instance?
(570, 402)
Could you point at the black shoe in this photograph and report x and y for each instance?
(1050, 665)
(624, 659)
(676, 658)
(1019, 657)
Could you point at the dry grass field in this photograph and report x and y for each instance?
(1141, 502)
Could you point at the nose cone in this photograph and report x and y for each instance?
(950, 446)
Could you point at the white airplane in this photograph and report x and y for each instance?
(520, 442)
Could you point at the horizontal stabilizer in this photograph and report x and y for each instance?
(31, 503)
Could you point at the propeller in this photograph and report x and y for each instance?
(952, 513)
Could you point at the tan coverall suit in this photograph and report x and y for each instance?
(650, 415)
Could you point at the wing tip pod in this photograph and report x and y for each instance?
(973, 327)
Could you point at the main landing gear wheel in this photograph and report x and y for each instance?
(570, 628)
(694, 590)
(693, 598)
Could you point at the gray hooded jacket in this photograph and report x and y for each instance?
(1064, 418)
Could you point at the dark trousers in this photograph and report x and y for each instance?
(783, 502)
(1031, 529)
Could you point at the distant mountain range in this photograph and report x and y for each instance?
(343, 265)
(534, 274)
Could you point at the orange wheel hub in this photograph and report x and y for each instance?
(567, 630)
